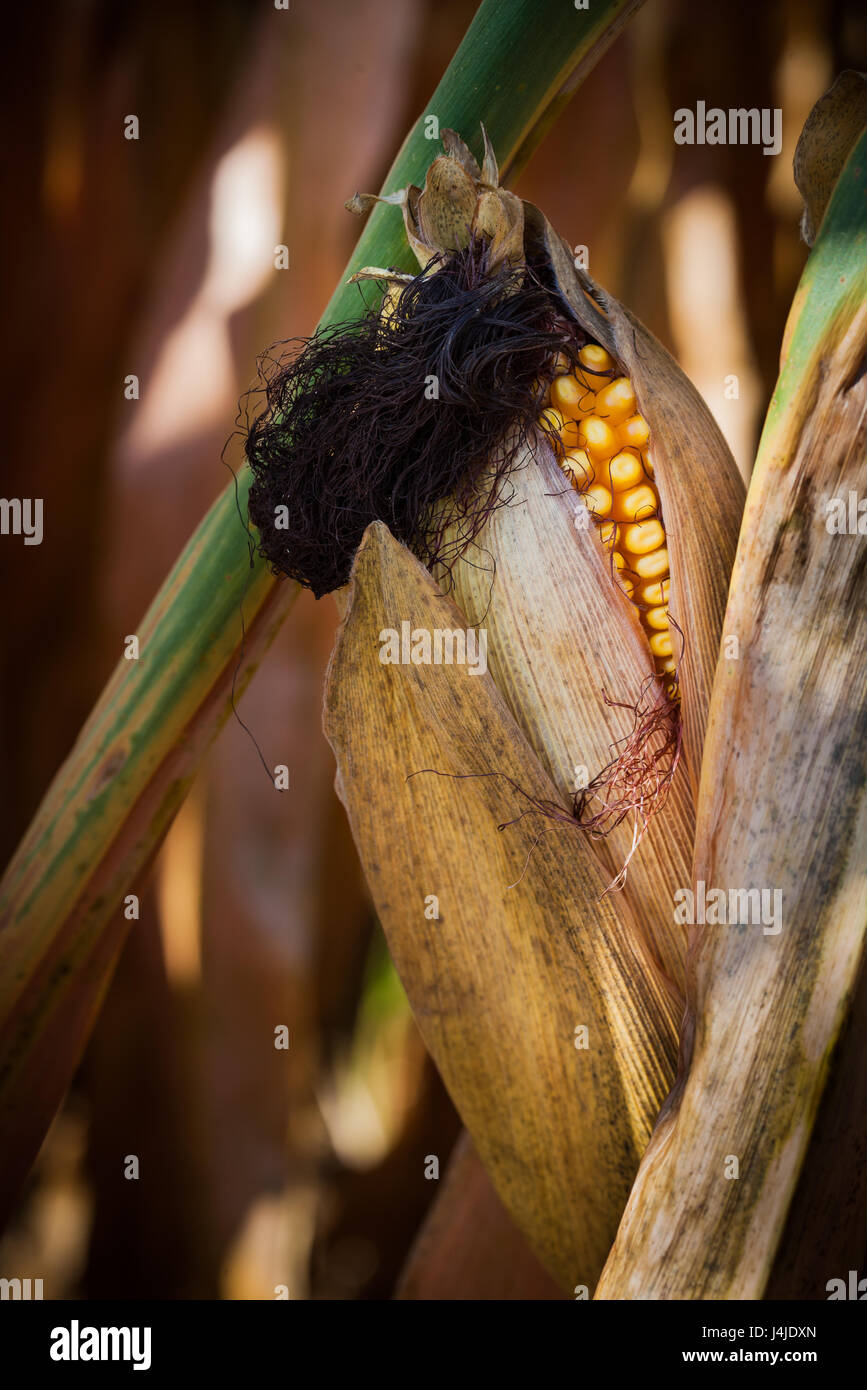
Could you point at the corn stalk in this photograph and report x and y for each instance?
(62, 922)
(777, 1010)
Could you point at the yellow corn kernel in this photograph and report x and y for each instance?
(579, 468)
(588, 406)
(626, 584)
(595, 356)
(594, 381)
(561, 364)
(563, 432)
(657, 618)
(551, 421)
(648, 464)
(616, 401)
(599, 366)
(668, 666)
(597, 500)
(634, 432)
(588, 401)
(654, 565)
(590, 384)
(625, 470)
(655, 594)
(567, 395)
(570, 437)
(598, 437)
(660, 644)
(637, 504)
(643, 536)
(608, 534)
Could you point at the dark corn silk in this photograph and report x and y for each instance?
(414, 418)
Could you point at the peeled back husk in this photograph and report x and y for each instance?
(504, 942)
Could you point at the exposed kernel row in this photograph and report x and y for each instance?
(601, 442)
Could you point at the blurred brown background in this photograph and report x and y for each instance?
(301, 1167)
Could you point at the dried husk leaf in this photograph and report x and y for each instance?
(407, 199)
(380, 273)
(560, 634)
(446, 205)
(458, 201)
(500, 981)
(499, 216)
(459, 150)
(490, 168)
(787, 813)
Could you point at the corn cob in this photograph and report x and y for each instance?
(601, 443)
(504, 332)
